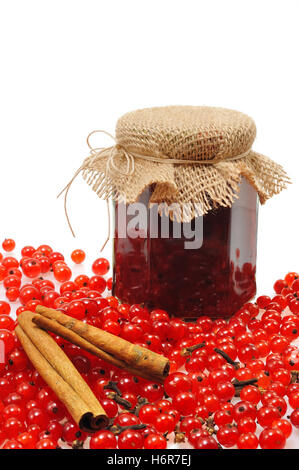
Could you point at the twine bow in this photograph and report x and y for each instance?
(113, 169)
(110, 152)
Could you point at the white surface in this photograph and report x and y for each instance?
(70, 67)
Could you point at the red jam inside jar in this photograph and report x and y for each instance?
(215, 279)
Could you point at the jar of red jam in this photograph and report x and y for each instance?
(186, 185)
(215, 279)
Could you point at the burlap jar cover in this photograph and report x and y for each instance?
(195, 156)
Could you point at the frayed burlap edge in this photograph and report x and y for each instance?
(194, 190)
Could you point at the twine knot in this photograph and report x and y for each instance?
(111, 153)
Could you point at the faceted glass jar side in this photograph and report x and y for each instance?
(214, 279)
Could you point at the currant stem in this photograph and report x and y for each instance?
(243, 383)
(188, 351)
(117, 429)
(140, 404)
(120, 401)
(294, 376)
(113, 386)
(227, 358)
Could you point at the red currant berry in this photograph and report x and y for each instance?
(284, 425)
(12, 294)
(266, 415)
(71, 433)
(227, 435)
(272, 439)
(62, 273)
(295, 418)
(177, 382)
(185, 403)
(8, 244)
(45, 444)
(100, 266)
(247, 441)
(4, 308)
(155, 441)
(78, 256)
(31, 268)
(206, 442)
(130, 439)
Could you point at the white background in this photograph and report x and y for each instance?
(68, 67)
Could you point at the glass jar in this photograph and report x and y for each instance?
(215, 277)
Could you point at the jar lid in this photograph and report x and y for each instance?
(186, 132)
(195, 156)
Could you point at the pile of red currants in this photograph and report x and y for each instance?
(231, 384)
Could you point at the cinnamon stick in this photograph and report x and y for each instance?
(121, 353)
(60, 374)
